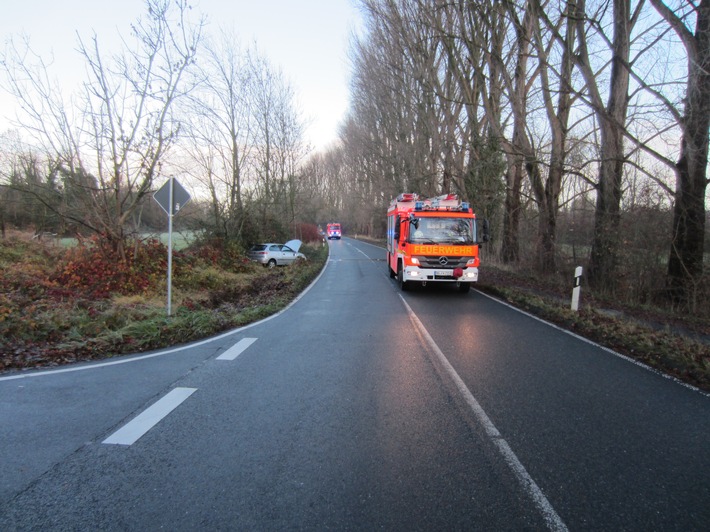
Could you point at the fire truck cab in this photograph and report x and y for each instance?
(433, 240)
(333, 231)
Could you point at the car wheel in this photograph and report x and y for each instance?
(272, 263)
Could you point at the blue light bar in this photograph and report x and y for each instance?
(464, 206)
(418, 206)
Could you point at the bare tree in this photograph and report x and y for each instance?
(472, 37)
(220, 133)
(111, 143)
(685, 264)
(378, 132)
(519, 152)
(279, 145)
(547, 193)
(402, 95)
(611, 117)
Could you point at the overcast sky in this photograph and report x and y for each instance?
(307, 39)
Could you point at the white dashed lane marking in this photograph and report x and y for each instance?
(134, 429)
(237, 349)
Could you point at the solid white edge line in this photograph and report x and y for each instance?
(552, 519)
(151, 416)
(98, 365)
(586, 340)
(599, 346)
(237, 349)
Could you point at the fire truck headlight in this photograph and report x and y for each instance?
(415, 261)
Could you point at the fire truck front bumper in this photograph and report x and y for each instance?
(467, 275)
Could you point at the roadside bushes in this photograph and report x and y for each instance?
(61, 305)
(24, 284)
(96, 270)
(308, 233)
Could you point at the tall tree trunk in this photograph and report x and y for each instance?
(546, 259)
(603, 266)
(685, 264)
(510, 251)
(519, 148)
(604, 261)
(548, 194)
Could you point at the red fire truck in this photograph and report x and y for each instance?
(333, 231)
(433, 240)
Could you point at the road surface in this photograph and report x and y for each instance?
(359, 407)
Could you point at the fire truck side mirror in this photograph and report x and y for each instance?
(485, 232)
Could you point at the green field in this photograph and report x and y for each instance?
(181, 239)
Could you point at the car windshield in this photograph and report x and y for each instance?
(441, 231)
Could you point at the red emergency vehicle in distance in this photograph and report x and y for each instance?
(333, 231)
(433, 240)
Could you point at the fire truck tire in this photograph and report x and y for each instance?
(464, 288)
(403, 285)
(389, 269)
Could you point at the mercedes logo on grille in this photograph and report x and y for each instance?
(443, 261)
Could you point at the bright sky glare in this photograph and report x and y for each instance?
(306, 39)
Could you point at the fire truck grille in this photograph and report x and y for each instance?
(442, 262)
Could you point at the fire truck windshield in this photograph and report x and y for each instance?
(441, 231)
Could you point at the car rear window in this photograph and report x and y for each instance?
(258, 247)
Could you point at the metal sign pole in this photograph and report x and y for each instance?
(171, 197)
(170, 245)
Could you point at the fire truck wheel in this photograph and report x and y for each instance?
(403, 285)
(464, 287)
(392, 274)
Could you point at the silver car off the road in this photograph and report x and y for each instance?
(272, 254)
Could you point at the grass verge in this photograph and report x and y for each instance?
(44, 324)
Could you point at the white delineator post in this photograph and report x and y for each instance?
(577, 288)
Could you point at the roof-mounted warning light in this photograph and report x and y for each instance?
(419, 205)
(465, 206)
(407, 196)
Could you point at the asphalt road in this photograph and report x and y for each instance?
(360, 408)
